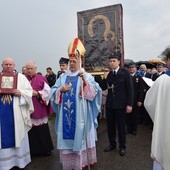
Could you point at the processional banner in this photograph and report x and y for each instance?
(101, 31)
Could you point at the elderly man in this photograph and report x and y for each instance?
(76, 98)
(143, 68)
(39, 136)
(157, 104)
(15, 109)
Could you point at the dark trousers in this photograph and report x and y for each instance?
(116, 118)
(40, 140)
(132, 119)
(146, 118)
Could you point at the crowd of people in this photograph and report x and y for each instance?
(79, 100)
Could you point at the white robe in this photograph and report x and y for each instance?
(74, 153)
(157, 103)
(22, 112)
(20, 154)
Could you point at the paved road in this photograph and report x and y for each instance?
(136, 158)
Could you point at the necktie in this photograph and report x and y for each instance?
(114, 72)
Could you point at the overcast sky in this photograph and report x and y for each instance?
(41, 30)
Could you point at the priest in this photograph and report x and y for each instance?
(157, 104)
(15, 109)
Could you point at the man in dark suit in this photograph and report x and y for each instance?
(144, 116)
(119, 101)
(160, 71)
(138, 86)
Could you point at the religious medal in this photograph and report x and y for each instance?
(111, 87)
(137, 80)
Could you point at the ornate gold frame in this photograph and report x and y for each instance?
(8, 82)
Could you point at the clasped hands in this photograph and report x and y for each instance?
(65, 88)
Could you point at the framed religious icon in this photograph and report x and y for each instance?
(8, 82)
(101, 31)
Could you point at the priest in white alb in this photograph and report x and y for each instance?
(15, 109)
(157, 103)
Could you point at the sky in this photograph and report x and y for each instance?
(41, 30)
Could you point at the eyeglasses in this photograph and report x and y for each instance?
(106, 70)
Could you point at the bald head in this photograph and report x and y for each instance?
(31, 68)
(32, 63)
(6, 59)
(8, 64)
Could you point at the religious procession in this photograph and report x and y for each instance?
(98, 112)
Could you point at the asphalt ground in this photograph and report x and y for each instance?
(136, 158)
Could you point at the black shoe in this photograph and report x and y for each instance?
(122, 152)
(109, 148)
(17, 168)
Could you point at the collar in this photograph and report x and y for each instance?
(160, 72)
(116, 69)
(30, 77)
(133, 74)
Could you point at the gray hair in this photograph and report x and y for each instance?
(7, 59)
(31, 62)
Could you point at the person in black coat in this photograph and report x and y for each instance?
(119, 101)
(50, 76)
(138, 86)
(144, 116)
(160, 71)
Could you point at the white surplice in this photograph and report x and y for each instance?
(157, 103)
(22, 109)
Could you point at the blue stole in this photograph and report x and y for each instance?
(168, 72)
(7, 121)
(69, 109)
